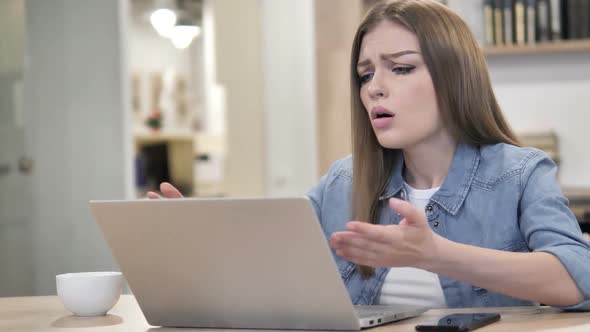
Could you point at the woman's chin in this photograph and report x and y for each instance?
(389, 143)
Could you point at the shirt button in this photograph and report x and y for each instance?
(436, 223)
(429, 208)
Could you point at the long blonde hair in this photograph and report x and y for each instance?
(464, 95)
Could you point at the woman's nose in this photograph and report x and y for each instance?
(376, 88)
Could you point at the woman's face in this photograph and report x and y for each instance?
(396, 88)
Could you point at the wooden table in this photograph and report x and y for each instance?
(46, 313)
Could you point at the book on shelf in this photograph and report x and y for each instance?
(521, 22)
(572, 20)
(555, 19)
(564, 19)
(508, 20)
(498, 22)
(488, 13)
(543, 32)
(575, 19)
(531, 21)
(584, 19)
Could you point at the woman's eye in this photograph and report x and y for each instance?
(403, 70)
(366, 77)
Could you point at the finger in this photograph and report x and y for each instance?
(338, 239)
(352, 241)
(152, 195)
(169, 190)
(358, 256)
(411, 213)
(376, 233)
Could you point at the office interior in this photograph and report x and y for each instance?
(99, 101)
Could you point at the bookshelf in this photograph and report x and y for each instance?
(523, 27)
(555, 47)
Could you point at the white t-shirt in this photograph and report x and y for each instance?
(410, 286)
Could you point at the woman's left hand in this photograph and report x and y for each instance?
(411, 243)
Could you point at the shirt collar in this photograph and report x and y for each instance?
(454, 189)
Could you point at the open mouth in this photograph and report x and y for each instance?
(384, 115)
(381, 117)
(380, 112)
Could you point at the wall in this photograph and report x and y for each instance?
(549, 92)
(150, 54)
(238, 51)
(288, 53)
(16, 265)
(335, 25)
(76, 102)
(472, 13)
(214, 93)
(263, 90)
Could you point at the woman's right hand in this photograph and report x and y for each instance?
(168, 191)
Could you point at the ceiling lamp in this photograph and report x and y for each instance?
(163, 20)
(183, 33)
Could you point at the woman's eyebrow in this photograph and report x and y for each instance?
(366, 62)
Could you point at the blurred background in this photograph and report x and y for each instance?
(104, 99)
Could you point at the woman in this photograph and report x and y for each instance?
(488, 217)
(447, 210)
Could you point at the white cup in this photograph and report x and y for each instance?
(89, 294)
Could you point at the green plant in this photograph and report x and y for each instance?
(154, 121)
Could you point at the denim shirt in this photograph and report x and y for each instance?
(497, 196)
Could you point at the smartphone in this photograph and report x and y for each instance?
(460, 322)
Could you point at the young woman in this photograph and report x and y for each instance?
(447, 210)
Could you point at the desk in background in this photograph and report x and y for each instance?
(579, 199)
(579, 202)
(180, 148)
(46, 313)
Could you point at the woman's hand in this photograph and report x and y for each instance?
(411, 243)
(168, 191)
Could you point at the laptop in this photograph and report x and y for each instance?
(256, 263)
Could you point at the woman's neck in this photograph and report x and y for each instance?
(428, 163)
